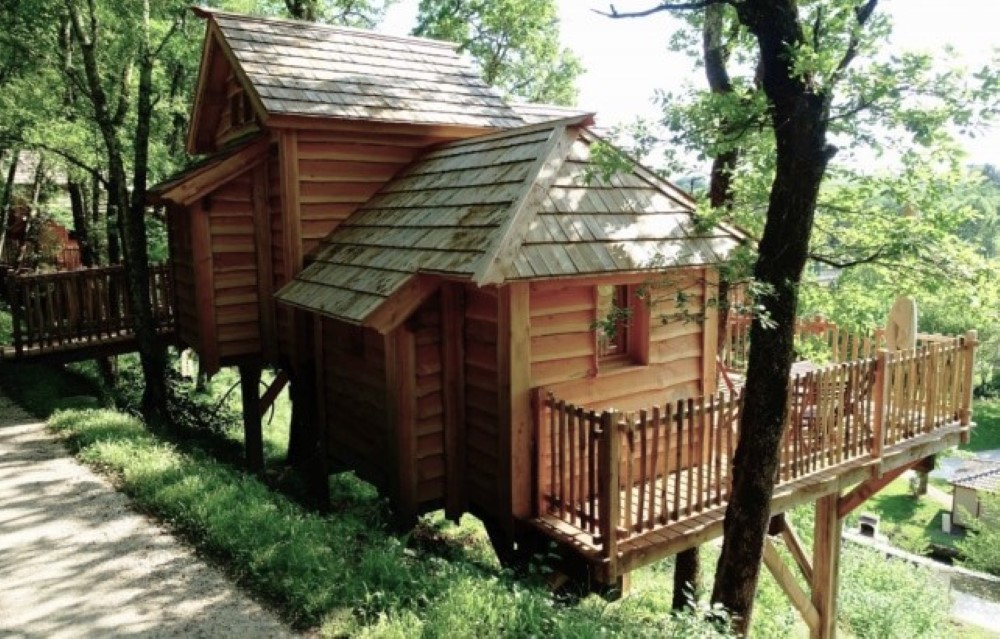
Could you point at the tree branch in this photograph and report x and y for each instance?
(665, 6)
(862, 14)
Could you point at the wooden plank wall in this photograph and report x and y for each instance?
(355, 400)
(430, 462)
(339, 171)
(182, 265)
(234, 265)
(279, 271)
(564, 346)
(481, 399)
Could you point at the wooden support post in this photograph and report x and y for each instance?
(826, 563)
(272, 392)
(453, 391)
(265, 262)
(970, 342)
(253, 434)
(798, 551)
(862, 492)
(608, 468)
(710, 332)
(879, 408)
(790, 586)
(400, 355)
(514, 383)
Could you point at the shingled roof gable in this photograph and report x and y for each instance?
(295, 68)
(522, 204)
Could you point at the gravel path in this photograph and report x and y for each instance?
(77, 561)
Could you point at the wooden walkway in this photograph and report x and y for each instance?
(82, 314)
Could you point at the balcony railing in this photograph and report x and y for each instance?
(613, 476)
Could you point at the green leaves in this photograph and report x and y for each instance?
(515, 44)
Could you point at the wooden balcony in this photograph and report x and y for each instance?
(622, 490)
(81, 314)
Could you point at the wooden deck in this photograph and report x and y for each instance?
(82, 314)
(621, 491)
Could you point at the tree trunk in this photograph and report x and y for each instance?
(95, 217)
(687, 578)
(799, 117)
(8, 192)
(81, 225)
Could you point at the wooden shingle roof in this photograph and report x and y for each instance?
(517, 205)
(300, 68)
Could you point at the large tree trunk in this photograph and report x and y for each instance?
(799, 117)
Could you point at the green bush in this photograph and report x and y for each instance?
(981, 547)
(882, 598)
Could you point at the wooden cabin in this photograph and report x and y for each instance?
(479, 274)
(299, 124)
(491, 323)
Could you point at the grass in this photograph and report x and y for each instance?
(910, 523)
(345, 573)
(42, 390)
(986, 435)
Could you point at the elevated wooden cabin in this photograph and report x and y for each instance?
(300, 124)
(480, 273)
(493, 324)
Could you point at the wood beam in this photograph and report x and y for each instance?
(204, 288)
(453, 391)
(798, 551)
(790, 586)
(400, 366)
(277, 385)
(865, 490)
(710, 332)
(407, 299)
(253, 434)
(826, 564)
(265, 262)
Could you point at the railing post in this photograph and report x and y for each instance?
(879, 412)
(610, 493)
(16, 312)
(538, 406)
(969, 343)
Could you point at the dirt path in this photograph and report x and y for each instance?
(76, 561)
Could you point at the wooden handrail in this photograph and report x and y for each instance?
(55, 311)
(667, 463)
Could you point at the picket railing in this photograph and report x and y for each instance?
(614, 475)
(58, 311)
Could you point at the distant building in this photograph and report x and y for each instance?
(970, 483)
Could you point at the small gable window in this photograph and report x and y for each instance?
(240, 109)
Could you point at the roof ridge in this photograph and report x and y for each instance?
(210, 13)
(493, 265)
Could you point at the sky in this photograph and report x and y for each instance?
(626, 61)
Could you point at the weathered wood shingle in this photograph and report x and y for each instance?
(299, 68)
(523, 204)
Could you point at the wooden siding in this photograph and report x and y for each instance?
(564, 343)
(279, 270)
(338, 172)
(182, 270)
(234, 266)
(354, 399)
(481, 400)
(430, 454)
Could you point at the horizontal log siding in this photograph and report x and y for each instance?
(481, 399)
(355, 397)
(430, 404)
(563, 346)
(340, 171)
(182, 267)
(234, 264)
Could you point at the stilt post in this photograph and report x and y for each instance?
(826, 567)
(253, 433)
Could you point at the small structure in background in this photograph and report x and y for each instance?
(868, 525)
(969, 484)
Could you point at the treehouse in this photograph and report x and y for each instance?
(476, 315)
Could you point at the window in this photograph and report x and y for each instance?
(612, 312)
